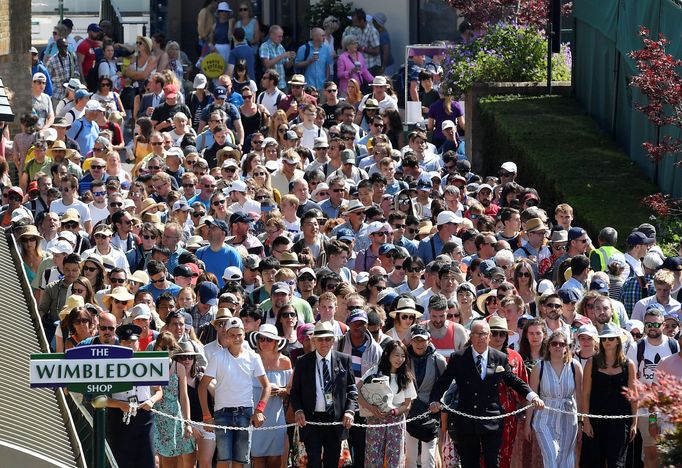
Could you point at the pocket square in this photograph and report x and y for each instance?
(499, 369)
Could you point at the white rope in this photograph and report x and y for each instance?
(396, 423)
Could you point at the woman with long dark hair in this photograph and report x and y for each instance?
(388, 442)
(394, 128)
(606, 374)
(254, 116)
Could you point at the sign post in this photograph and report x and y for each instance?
(99, 370)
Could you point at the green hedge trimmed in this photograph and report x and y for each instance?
(561, 152)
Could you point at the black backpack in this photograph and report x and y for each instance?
(92, 77)
(306, 54)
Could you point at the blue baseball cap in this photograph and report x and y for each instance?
(94, 27)
(385, 249)
(345, 234)
(219, 223)
(355, 315)
(208, 293)
(81, 93)
(220, 92)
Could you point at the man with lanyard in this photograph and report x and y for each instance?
(233, 118)
(446, 336)
(365, 352)
(447, 223)
(233, 367)
(129, 436)
(40, 203)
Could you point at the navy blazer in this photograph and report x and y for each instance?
(304, 388)
(479, 396)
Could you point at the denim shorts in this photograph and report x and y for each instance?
(233, 445)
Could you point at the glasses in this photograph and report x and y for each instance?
(209, 186)
(398, 267)
(412, 230)
(71, 225)
(404, 201)
(105, 328)
(90, 269)
(198, 214)
(101, 236)
(117, 280)
(557, 344)
(257, 142)
(243, 9)
(380, 233)
(652, 324)
(218, 202)
(116, 204)
(159, 280)
(380, 288)
(331, 286)
(154, 168)
(609, 338)
(105, 85)
(184, 358)
(118, 301)
(331, 90)
(637, 336)
(264, 339)
(451, 316)
(247, 96)
(553, 306)
(156, 143)
(559, 247)
(407, 317)
(497, 280)
(297, 86)
(288, 314)
(148, 236)
(523, 274)
(491, 300)
(258, 174)
(498, 333)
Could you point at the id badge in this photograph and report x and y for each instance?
(328, 400)
(132, 399)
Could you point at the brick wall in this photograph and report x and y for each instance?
(15, 60)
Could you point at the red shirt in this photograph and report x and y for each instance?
(87, 48)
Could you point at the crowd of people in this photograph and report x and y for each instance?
(304, 260)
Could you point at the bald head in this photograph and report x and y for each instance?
(480, 335)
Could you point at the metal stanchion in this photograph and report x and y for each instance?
(99, 431)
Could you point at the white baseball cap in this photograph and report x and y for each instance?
(446, 217)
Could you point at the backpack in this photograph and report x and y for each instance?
(398, 83)
(92, 78)
(672, 344)
(306, 54)
(258, 66)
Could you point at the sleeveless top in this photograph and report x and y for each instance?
(607, 392)
(220, 33)
(249, 29)
(445, 345)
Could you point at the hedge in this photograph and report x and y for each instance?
(560, 151)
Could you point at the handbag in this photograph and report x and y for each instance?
(299, 455)
(424, 429)
(345, 458)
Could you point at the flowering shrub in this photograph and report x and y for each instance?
(504, 53)
(659, 80)
(481, 13)
(665, 397)
(320, 10)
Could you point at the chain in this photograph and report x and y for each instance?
(133, 412)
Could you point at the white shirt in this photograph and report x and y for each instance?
(270, 101)
(484, 360)
(58, 206)
(233, 377)
(116, 255)
(248, 206)
(320, 404)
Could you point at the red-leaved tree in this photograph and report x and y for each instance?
(660, 82)
(482, 13)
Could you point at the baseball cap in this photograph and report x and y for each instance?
(61, 247)
(252, 261)
(93, 105)
(232, 273)
(307, 271)
(33, 50)
(348, 156)
(639, 238)
(652, 261)
(81, 93)
(424, 184)
(281, 287)
(568, 295)
(509, 167)
(419, 332)
(94, 27)
(345, 234)
(447, 217)
(447, 124)
(576, 232)
(238, 186)
(220, 92)
(385, 249)
(234, 322)
(39, 77)
(220, 224)
(170, 91)
(208, 293)
(672, 263)
(181, 205)
(600, 286)
(183, 271)
(376, 226)
(355, 315)
(200, 81)
(140, 311)
(239, 217)
(291, 157)
(363, 277)
(290, 135)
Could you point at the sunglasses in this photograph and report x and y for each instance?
(407, 317)
(198, 215)
(184, 358)
(101, 236)
(218, 202)
(558, 344)
(148, 236)
(118, 301)
(398, 267)
(553, 306)
(116, 205)
(637, 336)
(81, 321)
(653, 325)
(117, 280)
(412, 230)
(264, 339)
(105, 328)
(498, 333)
(159, 280)
(90, 269)
(288, 314)
(156, 143)
(451, 316)
(71, 225)
(609, 338)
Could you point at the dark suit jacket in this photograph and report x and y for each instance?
(304, 389)
(476, 396)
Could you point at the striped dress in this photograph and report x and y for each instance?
(556, 432)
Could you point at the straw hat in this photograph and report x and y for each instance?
(30, 231)
(406, 306)
(59, 145)
(147, 41)
(71, 303)
(119, 293)
(480, 302)
(267, 330)
(222, 314)
(499, 323)
(185, 349)
(140, 276)
(148, 204)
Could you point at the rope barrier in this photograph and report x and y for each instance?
(397, 423)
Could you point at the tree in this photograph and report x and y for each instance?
(483, 13)
(660, 82)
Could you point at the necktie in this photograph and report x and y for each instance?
(327, 378)
(479, 364)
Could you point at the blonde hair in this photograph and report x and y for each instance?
(356, 96)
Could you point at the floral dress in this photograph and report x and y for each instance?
(168, 433)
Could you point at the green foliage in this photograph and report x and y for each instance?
(320, 10)
(561, 152)
(504, 53)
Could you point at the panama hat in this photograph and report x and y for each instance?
(120, 293)
(267, 330)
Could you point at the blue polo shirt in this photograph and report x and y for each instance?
(85, 133)
(316, 72)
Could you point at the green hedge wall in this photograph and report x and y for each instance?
(560, 151)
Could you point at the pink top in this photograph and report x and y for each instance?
(344, 70)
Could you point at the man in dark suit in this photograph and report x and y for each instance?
(323, 390)
(478, 371)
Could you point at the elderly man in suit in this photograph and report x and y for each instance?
(323, 390)
(478, 371)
